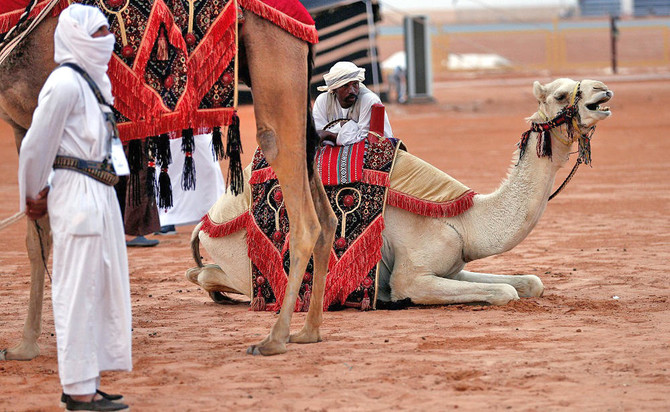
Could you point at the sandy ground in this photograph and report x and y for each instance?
(576, 348)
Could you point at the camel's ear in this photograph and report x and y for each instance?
(540, 92)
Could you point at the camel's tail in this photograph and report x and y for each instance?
(312, 138)
(195, 245)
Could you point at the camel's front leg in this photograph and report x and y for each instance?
(429, 289)
(310, 332)
(527, 286)
(304, 229)
(28, 349)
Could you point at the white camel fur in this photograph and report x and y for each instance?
(426, 256)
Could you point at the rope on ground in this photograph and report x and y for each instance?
(11, 220)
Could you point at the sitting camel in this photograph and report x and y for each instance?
(424, 257)
(277, 66)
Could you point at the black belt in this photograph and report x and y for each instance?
(101, 171)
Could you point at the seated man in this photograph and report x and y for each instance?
(342, 114)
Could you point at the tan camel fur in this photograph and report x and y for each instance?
(275, 64)
(424, 258)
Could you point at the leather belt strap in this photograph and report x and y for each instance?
(103, 172)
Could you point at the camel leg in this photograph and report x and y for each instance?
(28, 349)
(527, 286)
(310, 332)
(278, 69)
(429, 289)
(213, 279)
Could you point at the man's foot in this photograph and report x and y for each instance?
(101, 404)
(109, 397)
(166, 230)
(141, 241)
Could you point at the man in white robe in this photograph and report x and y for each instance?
(345, 99)
(90, 284)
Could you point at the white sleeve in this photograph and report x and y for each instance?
(353, 132)
(40, 145)
(319, 111)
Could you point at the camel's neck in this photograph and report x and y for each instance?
(501, 220)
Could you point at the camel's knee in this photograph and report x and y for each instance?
(267, 140)
(210, 277)
(502, 294)
(328, 227)
(531, 287)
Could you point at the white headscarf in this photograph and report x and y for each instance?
(340, 74)
(73, 43)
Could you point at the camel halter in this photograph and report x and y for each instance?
(569, 116)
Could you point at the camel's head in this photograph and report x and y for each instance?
(590, 96)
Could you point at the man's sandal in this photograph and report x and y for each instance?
(109, 397)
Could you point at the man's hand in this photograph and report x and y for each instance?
(326, 135)
(36, 208)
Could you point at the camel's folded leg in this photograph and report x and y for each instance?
(310, 332)
(428, 289)
(212, 279)
(527, 286)
(28, 349)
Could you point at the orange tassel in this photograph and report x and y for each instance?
(365, 303)
(258, 304)
(162, 51)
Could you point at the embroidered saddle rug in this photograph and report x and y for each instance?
(386, 176)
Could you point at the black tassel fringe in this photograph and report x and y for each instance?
(135, 165)
(151, 184)
(165, 197)
(187, 147)
(233, 151)
(218, 150)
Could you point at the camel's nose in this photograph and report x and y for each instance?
(609, 94)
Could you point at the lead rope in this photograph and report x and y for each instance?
(567, 179)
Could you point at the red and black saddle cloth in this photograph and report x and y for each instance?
(356, 179)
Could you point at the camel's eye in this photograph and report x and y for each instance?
(560, 96)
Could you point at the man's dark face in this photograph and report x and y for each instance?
(347, 94)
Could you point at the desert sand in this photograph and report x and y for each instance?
(599, 338)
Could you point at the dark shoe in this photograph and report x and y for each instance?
(141, 241)
(110, 397)
(166, 230)
(99, 405)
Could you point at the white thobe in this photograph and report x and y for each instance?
(189, 206)
(90, 285)
(351, 132)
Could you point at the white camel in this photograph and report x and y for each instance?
(424, 258)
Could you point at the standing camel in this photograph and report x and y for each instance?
(276, 65)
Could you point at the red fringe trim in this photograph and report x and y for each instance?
(431, 209)
(218, 41)
(268, 260)
(224, 229)
(297, 28)
(9, 20)
(355, 264)
(262, 176)
(375, 177)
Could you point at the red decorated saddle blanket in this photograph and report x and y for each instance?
(359, 206)
(173, 66)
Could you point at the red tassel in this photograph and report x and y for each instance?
(258, 304)
(431, 209)
(365, 303)
(224, 229)
(162, 50)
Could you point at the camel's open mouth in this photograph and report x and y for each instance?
(597, 106)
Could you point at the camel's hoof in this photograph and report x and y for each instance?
(305, 337)
(267, 349)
